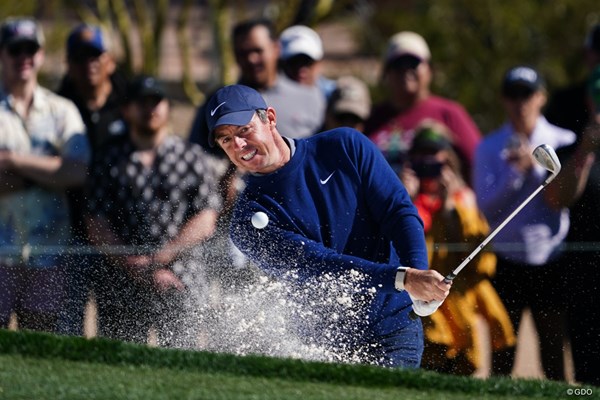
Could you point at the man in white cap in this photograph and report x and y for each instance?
(301, 58)
(407, 76)
(257, 51)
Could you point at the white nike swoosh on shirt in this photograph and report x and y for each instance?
(213, 111)
(324, 181)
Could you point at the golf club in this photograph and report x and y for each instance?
(547, 158)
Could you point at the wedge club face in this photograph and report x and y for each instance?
(547, 158)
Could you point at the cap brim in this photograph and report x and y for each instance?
(351, 107)
(149, 93)
(238, 118)
(403, 55)
(519, 87)
(74, 48)
(17, 40)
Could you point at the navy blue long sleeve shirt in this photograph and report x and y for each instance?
(336, 206)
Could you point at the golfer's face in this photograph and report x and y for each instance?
(252, 146)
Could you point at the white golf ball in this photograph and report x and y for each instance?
(260, 220)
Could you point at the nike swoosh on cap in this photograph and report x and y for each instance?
(324, 181)
(213, 111)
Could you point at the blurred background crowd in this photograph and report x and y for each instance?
(110, 191)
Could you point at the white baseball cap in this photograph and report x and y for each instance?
(407, 44)
(300, 39)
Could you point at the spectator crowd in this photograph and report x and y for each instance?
(94, 165)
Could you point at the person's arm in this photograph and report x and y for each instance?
(68, 167)
(291, 256)
(389, 202)
(393, 209)
(496, 182)
(199, 228)
(101, 235)
(50, 171)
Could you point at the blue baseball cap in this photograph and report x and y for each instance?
(232, 105)
(86, 37)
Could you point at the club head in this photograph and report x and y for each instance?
(547, 158)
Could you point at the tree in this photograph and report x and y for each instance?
(473, 42)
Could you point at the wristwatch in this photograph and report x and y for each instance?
(400, 275)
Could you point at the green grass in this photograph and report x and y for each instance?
(42, 366)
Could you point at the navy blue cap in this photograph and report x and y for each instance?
(86, 36)
(522, 76)
(15, 30)
(232, 105)
(144, 85)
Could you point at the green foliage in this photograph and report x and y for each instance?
(36, 362)
(473, 42)
(18, 8)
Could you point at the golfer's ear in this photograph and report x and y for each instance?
(272, 116)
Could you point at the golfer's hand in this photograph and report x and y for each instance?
(425, 308)
(426, 284)
(427, 289)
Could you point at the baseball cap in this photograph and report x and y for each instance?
(144, 85)
(352, 96)
(407, 44)
(521, 79)
(232, 105)
(86, 37)
(300, 39)
(592, 40)
(15, 30)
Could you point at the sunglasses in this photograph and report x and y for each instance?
(299, 61)
(28, 49)
(518, 92)
(406, 62)
(83, 55)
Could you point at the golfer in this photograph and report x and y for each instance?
(334, 206)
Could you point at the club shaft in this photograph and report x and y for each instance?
(474, 253)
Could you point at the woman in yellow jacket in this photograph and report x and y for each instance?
(454, 226)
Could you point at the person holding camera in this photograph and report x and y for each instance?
(447, 206)
(531, 264)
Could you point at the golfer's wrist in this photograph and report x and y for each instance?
(400, 278)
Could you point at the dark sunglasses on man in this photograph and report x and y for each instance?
(518, 92)
(405, 62)
(23, 48)
(84, 54)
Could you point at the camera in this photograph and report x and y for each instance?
(427, 168)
